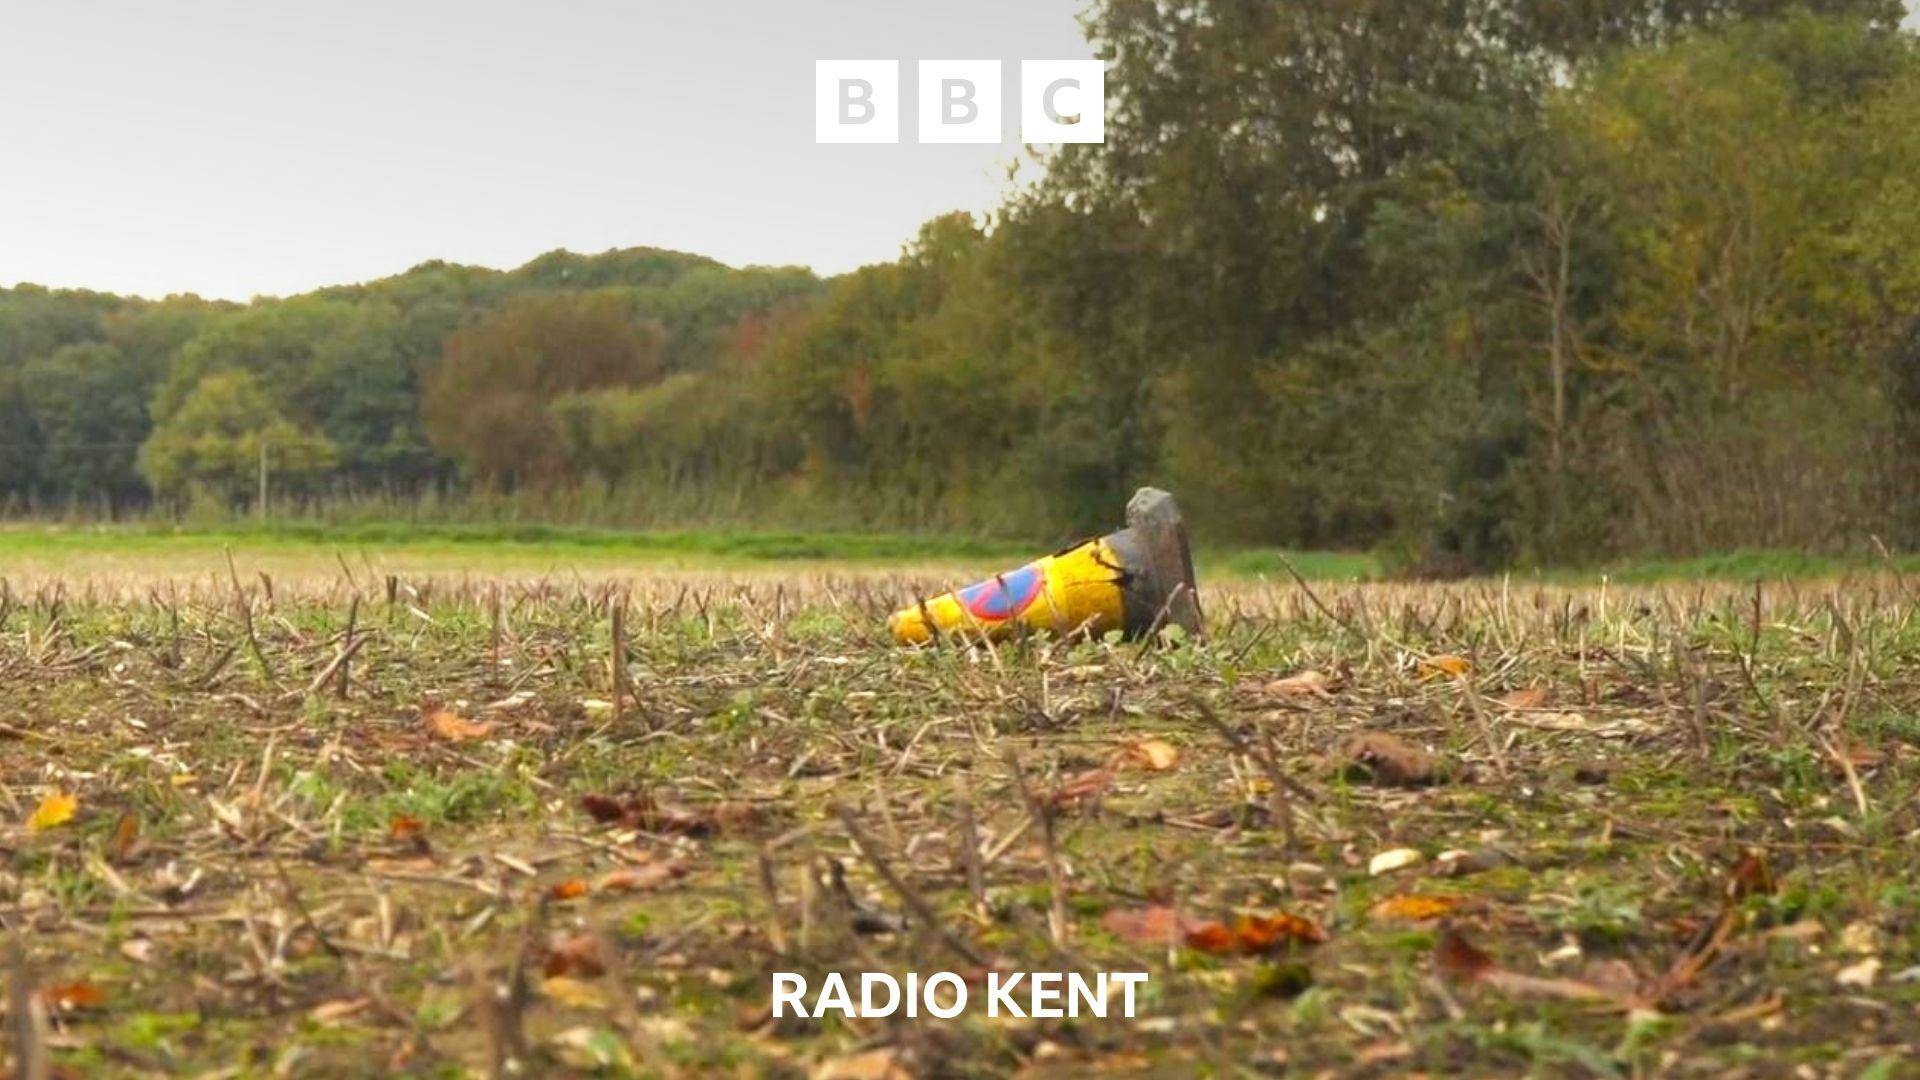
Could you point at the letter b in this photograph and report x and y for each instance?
(959, 101)
(956, 102)
(856, 95)
(856, 101)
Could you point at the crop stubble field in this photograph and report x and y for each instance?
(346, 822)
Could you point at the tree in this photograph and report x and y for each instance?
(89, 409)
(488, 401)
(1738, 380)
(223, 432)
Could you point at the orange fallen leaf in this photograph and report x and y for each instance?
(1445, 664)
(1153, 755)
(126, 836)
(1415, 908)
(570, 889)
(1531, 697)
(56, 809)
(1211, 936)
(1264, 933)
(581, 955)
(73, 995)
(451, 726)
(1246, 935)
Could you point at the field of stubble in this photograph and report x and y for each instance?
(346, 823)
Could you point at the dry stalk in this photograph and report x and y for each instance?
(907, 893)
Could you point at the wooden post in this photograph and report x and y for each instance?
(346, 646)
(493, 636)
(620, 690)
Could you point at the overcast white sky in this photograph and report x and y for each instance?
(239, 148)
(242, 147)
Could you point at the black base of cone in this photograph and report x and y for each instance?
(1159, 584)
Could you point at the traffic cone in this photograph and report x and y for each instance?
(1136, 581)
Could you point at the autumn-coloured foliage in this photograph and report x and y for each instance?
(56, 809)
(1244, 934)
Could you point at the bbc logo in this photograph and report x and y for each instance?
(858, 101)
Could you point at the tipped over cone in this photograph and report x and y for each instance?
(1136, 581)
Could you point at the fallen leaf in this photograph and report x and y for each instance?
(1445, 664)
(1388, 759)
(1750, 877)
(582, 955)
(1862, 975)
(570, 889)
(641, 878)
(1460, 960)
(1153, 755)
(56, 809)
(451, 726)
(1397, 859)
(1860, 938)
(126, 838)
(337, 1011)
(1254, 934)
(1859, 756)
(1246, 935)
(604, 809)
(1157, 925)
(593, 1050)
(1081, 788)
(1211, 936)
(1531, 697)
(66, 997)
(1302, 684)
(571, 992)
(881, 1064)
(647, 814)
(1580, 723)
(1415, 908)
(1264, 933)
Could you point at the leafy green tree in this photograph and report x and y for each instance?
(1739, 368)
(216, 442)
(89, 409)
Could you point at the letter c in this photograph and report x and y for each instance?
(1046, 101)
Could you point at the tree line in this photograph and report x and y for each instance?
(1472, 282)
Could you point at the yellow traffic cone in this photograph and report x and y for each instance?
(1136, 580)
